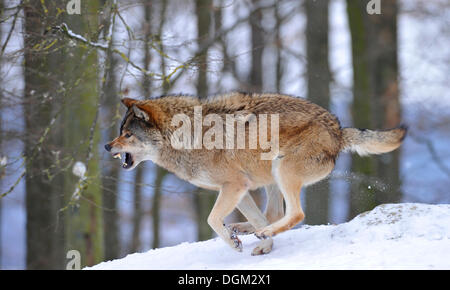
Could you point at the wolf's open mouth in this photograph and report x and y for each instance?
(127, 159)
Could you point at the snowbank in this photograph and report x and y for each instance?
(391, 236)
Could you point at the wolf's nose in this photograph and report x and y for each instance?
(108, 147)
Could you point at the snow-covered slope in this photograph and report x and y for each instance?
(391, 236)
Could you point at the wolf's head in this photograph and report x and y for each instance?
(139, 137)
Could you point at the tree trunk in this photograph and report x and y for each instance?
(43, 186)
(156, 205)
(110, 172)
(203, 8)
(84, 216)
(137, 215)
(385, 93)
(204, 199)
(256, 76)
(160, 173)
(361, 197)
(256, 72)
(375, 101)
(137, 208)
(318, 73)
(278, 42)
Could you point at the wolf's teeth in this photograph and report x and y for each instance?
(117, 156)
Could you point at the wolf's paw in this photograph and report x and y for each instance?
(264, 233)
(236, 243)
(241, 228)
(264, 247)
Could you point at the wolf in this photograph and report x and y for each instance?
(309, 140)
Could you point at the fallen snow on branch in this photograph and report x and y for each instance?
(65, 29)
(391, 236)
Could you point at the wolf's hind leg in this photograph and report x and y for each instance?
(273, 212)
(290, 183)
(274, 209)
(256, 218)
(252, 213)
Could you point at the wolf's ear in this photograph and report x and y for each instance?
(128, 102)
(140, 113)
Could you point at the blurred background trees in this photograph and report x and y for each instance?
(61, 85)
(318, 78)
(376, 101)
(109, 99)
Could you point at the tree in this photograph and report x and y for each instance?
(44, 195)
(375, 100)
(255, 85)
(278, 66)
(110, 174)
(137, 200)
(318, 74)
(385, 93)
(204, 199)
(137, 210)
(160, 173)
(84, 222)
(258, 42)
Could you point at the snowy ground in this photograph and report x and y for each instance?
(391, 236)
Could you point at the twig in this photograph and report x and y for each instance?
(36, 149)
(63, 28)
(19, 7)
(14, 185)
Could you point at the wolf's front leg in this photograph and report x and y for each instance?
(229, 196)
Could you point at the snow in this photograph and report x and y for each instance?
(391, 236)
(79, 169)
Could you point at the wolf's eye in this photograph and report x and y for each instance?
(127, 135)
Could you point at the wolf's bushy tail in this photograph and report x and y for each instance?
(364, 141)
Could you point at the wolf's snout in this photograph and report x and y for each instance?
(108, 147)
